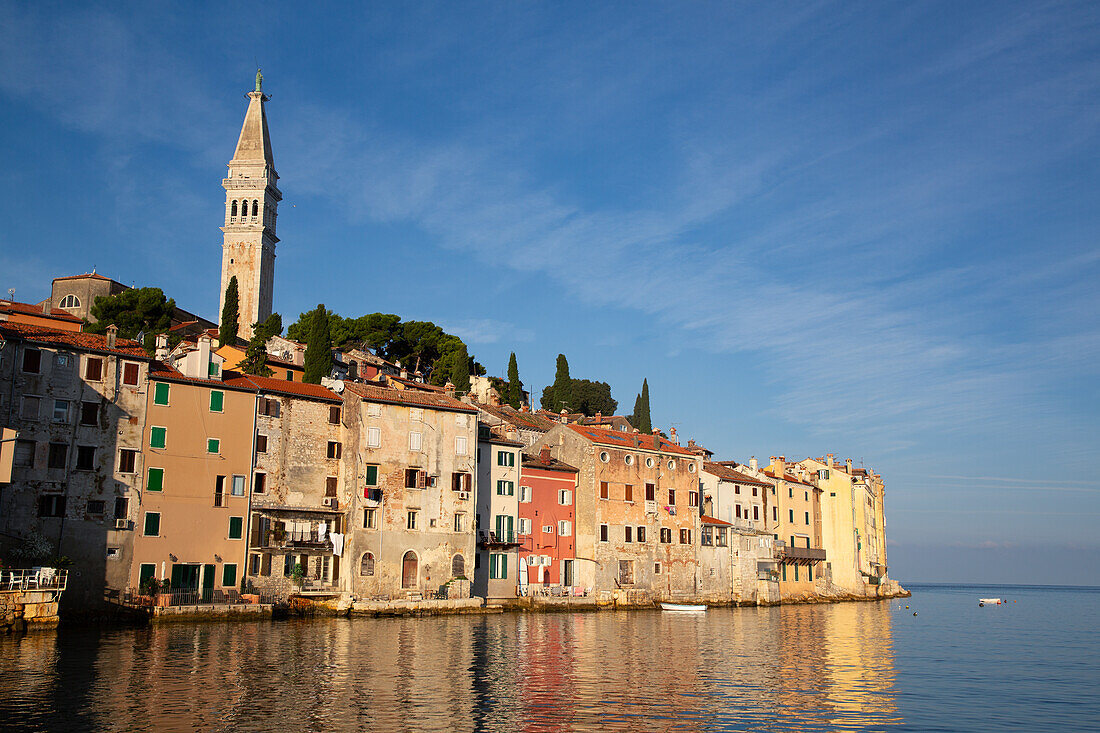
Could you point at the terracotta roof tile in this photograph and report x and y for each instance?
(522, 420)
(30, 309)
(71, 339)
(713, 520)
(409, 397)
(626, 440)
(728, 473)
(552, 465)
(283, 386)
(93, 275)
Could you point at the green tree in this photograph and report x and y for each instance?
(318, 360)
(514, 388)
(560, 393)
(255, 356)
(591, 397)
(231, 315)
(460, 370)
(641, 418)
(133, 311)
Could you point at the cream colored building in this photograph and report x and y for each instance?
(500, 488)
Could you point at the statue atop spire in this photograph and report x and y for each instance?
(259, 81)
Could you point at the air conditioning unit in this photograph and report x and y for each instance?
(122, 524)
(330, 501)
(464, 495)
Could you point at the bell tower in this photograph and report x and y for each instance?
(251, 206)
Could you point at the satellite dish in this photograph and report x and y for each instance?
(337, 386)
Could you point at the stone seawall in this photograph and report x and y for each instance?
(27, 610)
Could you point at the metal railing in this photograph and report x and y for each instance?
(191, 597)
(53, 579)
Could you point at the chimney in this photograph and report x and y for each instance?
(162, 347)
(634, 436)
(829, 460)
(848, 464)
(599, 416)
(404, 373)
(203, 367)
(449, 388)
(564, 416)
(544, 454)
(494, 397)
(754, 464)
(691, 442)
(418, 376)
(112, 336)
(779, 466)
(672, 436)
(47, 307)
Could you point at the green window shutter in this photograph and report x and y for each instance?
(213, 445)
(504, 567)
(811, 572)
(290, 376)
(217, 398)
(372, 476)
(160, 393)
(158, 437)
(500, 488)
(796, 573)
(784, 572)
(511, 488)
(156, 479)
(236, 528)
(148, 570)
(212, 370)
(152, 524)
(229, 575)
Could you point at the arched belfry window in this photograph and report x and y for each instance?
(233, 210)
(69, 301)
(255, 208)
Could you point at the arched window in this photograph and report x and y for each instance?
(69, 301)
(233, 209)
(408, 570)
(366, 565)
(458, 567)
(255, 208)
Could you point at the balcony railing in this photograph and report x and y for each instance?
(52, 579)
(804, 554)
(297, 539)
(497, 539)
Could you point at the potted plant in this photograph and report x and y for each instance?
(248, 591)
(164, 593)
(147, 592)
(297, 575)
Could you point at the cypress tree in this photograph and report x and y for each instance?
(637, 414)
(231, 314)
(645, 422)
(515, 387)
(255, 356)
(561, 391)
(318, 361)
(460, 371)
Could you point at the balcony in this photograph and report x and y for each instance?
(507, 538)
(802, 555)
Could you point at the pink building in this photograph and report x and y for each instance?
(547, 521)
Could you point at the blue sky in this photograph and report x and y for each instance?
(869, 229)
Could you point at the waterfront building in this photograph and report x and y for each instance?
(796, 523)
(74, 408)
(546, 523)
(499, 491)
(299, 501)
(251, 210)
(637, 510)
(409, 468)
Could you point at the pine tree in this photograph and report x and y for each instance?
(318, 361)
(255, 356)
(514, 396)
(231, 315)
(460, 371)
(641, 410)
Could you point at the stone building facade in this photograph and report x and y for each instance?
(499, 491)
(78, 403)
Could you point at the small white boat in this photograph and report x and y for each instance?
(689, 607)
(990, 601)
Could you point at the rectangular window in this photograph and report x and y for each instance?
(460, 522)
(605, 491)
(24, 453)
(641, 534)
(236, 528)
(628, 533)
(93, 369)
(672, 497)
(369, 518)
(334, 414)
(238, 485)
(410, 520)
(416, 414)
(565, 528)
(61, 411)
(147, 571)
(666, 535)
(498, 566)
(506, 458)
(371, 475)
(525, 494)
(31, 408)
(706, 536)
(791, 514)
(330, 486)
(229, 575)
(756, 512)
(720, 537)
(259, 483)
(130, 374)
(807, 517)
(212, 369)
(416, 440)
(626, 572)
(374, 437)
(156, 480)
(565, 497)
(628, 492)
(213, 445)
(335, 449)
(775, 514)
(289, 376)
(737, 510)
(603, 533)
(32, 361)
(261, 443)
(152, 524)
(796, 573)
(59, 453)
(374, 410)
(656, 568)
(548, 529)
(415, 479)
(737, 488)
(693, 498)
(51, 505)
(506, 488)
(460, 445)
(62, 362)
(525, 525)
(219, 491)
(160, 393)
(158, 437)
(217, 400)
(85, 457)
(650, 492)
(784, 572)
(754, 491)
(89, 413)
(685, 536)
(122, 507)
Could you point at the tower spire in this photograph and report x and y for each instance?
(251, 205)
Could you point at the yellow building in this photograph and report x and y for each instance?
(794, 517)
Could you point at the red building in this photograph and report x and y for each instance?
(547, 521)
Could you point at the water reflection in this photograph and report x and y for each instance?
(809, 667)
